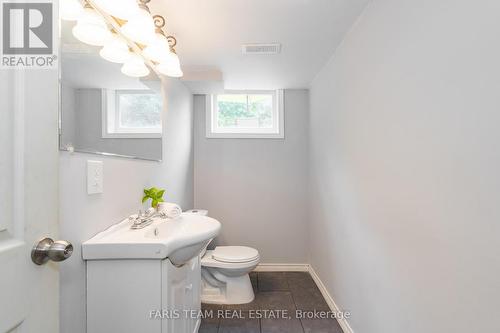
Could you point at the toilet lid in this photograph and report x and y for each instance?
(235, 254)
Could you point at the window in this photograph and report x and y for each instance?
(240, 114)
(132, 114)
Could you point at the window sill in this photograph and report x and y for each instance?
(244, 136)
(131, 136)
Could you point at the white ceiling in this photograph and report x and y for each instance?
(210, 34)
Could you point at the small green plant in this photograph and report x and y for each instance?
(155, 194)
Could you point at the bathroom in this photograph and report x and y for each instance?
(255, 166)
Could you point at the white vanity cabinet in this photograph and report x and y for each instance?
(146, 296)
(183, 293)
(148, 279)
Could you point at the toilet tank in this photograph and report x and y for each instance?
(202, 212)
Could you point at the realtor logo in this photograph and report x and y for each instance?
(28, 34)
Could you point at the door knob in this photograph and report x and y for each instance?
(46, 249)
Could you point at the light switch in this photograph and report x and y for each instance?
(95, 177)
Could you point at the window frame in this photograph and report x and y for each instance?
(111, 117)
(276, 132)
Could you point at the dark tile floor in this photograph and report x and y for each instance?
(288, 291)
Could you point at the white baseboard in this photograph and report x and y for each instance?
(197, 326)
(282, 268)
(344, 324)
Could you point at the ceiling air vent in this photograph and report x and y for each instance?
(273, 48)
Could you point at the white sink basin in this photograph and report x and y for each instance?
(179, 240)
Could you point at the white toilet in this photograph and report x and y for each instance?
(224, 273)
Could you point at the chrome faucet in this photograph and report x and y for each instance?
(144, 219)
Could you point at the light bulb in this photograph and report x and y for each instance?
(115, 50)
(170, 66)
(135, 67)
(140, 27)
(70, 10)
(91, 28)
(123, 9)
(158, 50)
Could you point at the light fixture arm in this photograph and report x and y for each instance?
(160, 24)
(172, 41)
(143, 4)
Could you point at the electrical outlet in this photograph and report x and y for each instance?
(95, 177)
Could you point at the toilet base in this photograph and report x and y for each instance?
(232, 290)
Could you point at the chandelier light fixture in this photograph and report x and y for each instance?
(116, 50)
(127, 32)
(162, 51)
(140, 27)
(135, 67)
(121, 9)
(91, 28)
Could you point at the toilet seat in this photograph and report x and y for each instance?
(208, 261)
(235, 254)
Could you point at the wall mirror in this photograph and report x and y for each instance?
(104, 111)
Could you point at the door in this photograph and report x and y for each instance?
(28, 199)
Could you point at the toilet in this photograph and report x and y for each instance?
(224, 273)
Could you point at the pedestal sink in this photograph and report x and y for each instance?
(178, 240)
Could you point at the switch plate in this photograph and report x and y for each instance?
(95, 177)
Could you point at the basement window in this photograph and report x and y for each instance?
(132, 114)
(245, 114)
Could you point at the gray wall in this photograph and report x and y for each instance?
(257, 187)
(82, 216)
(405, 181)
(82, 122)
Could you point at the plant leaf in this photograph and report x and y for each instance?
(155, 194)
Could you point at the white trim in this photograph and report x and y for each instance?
(104, 111)
(279, 101)
(197, 326)
(282, 268)
(131, 136)
(344, 324)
